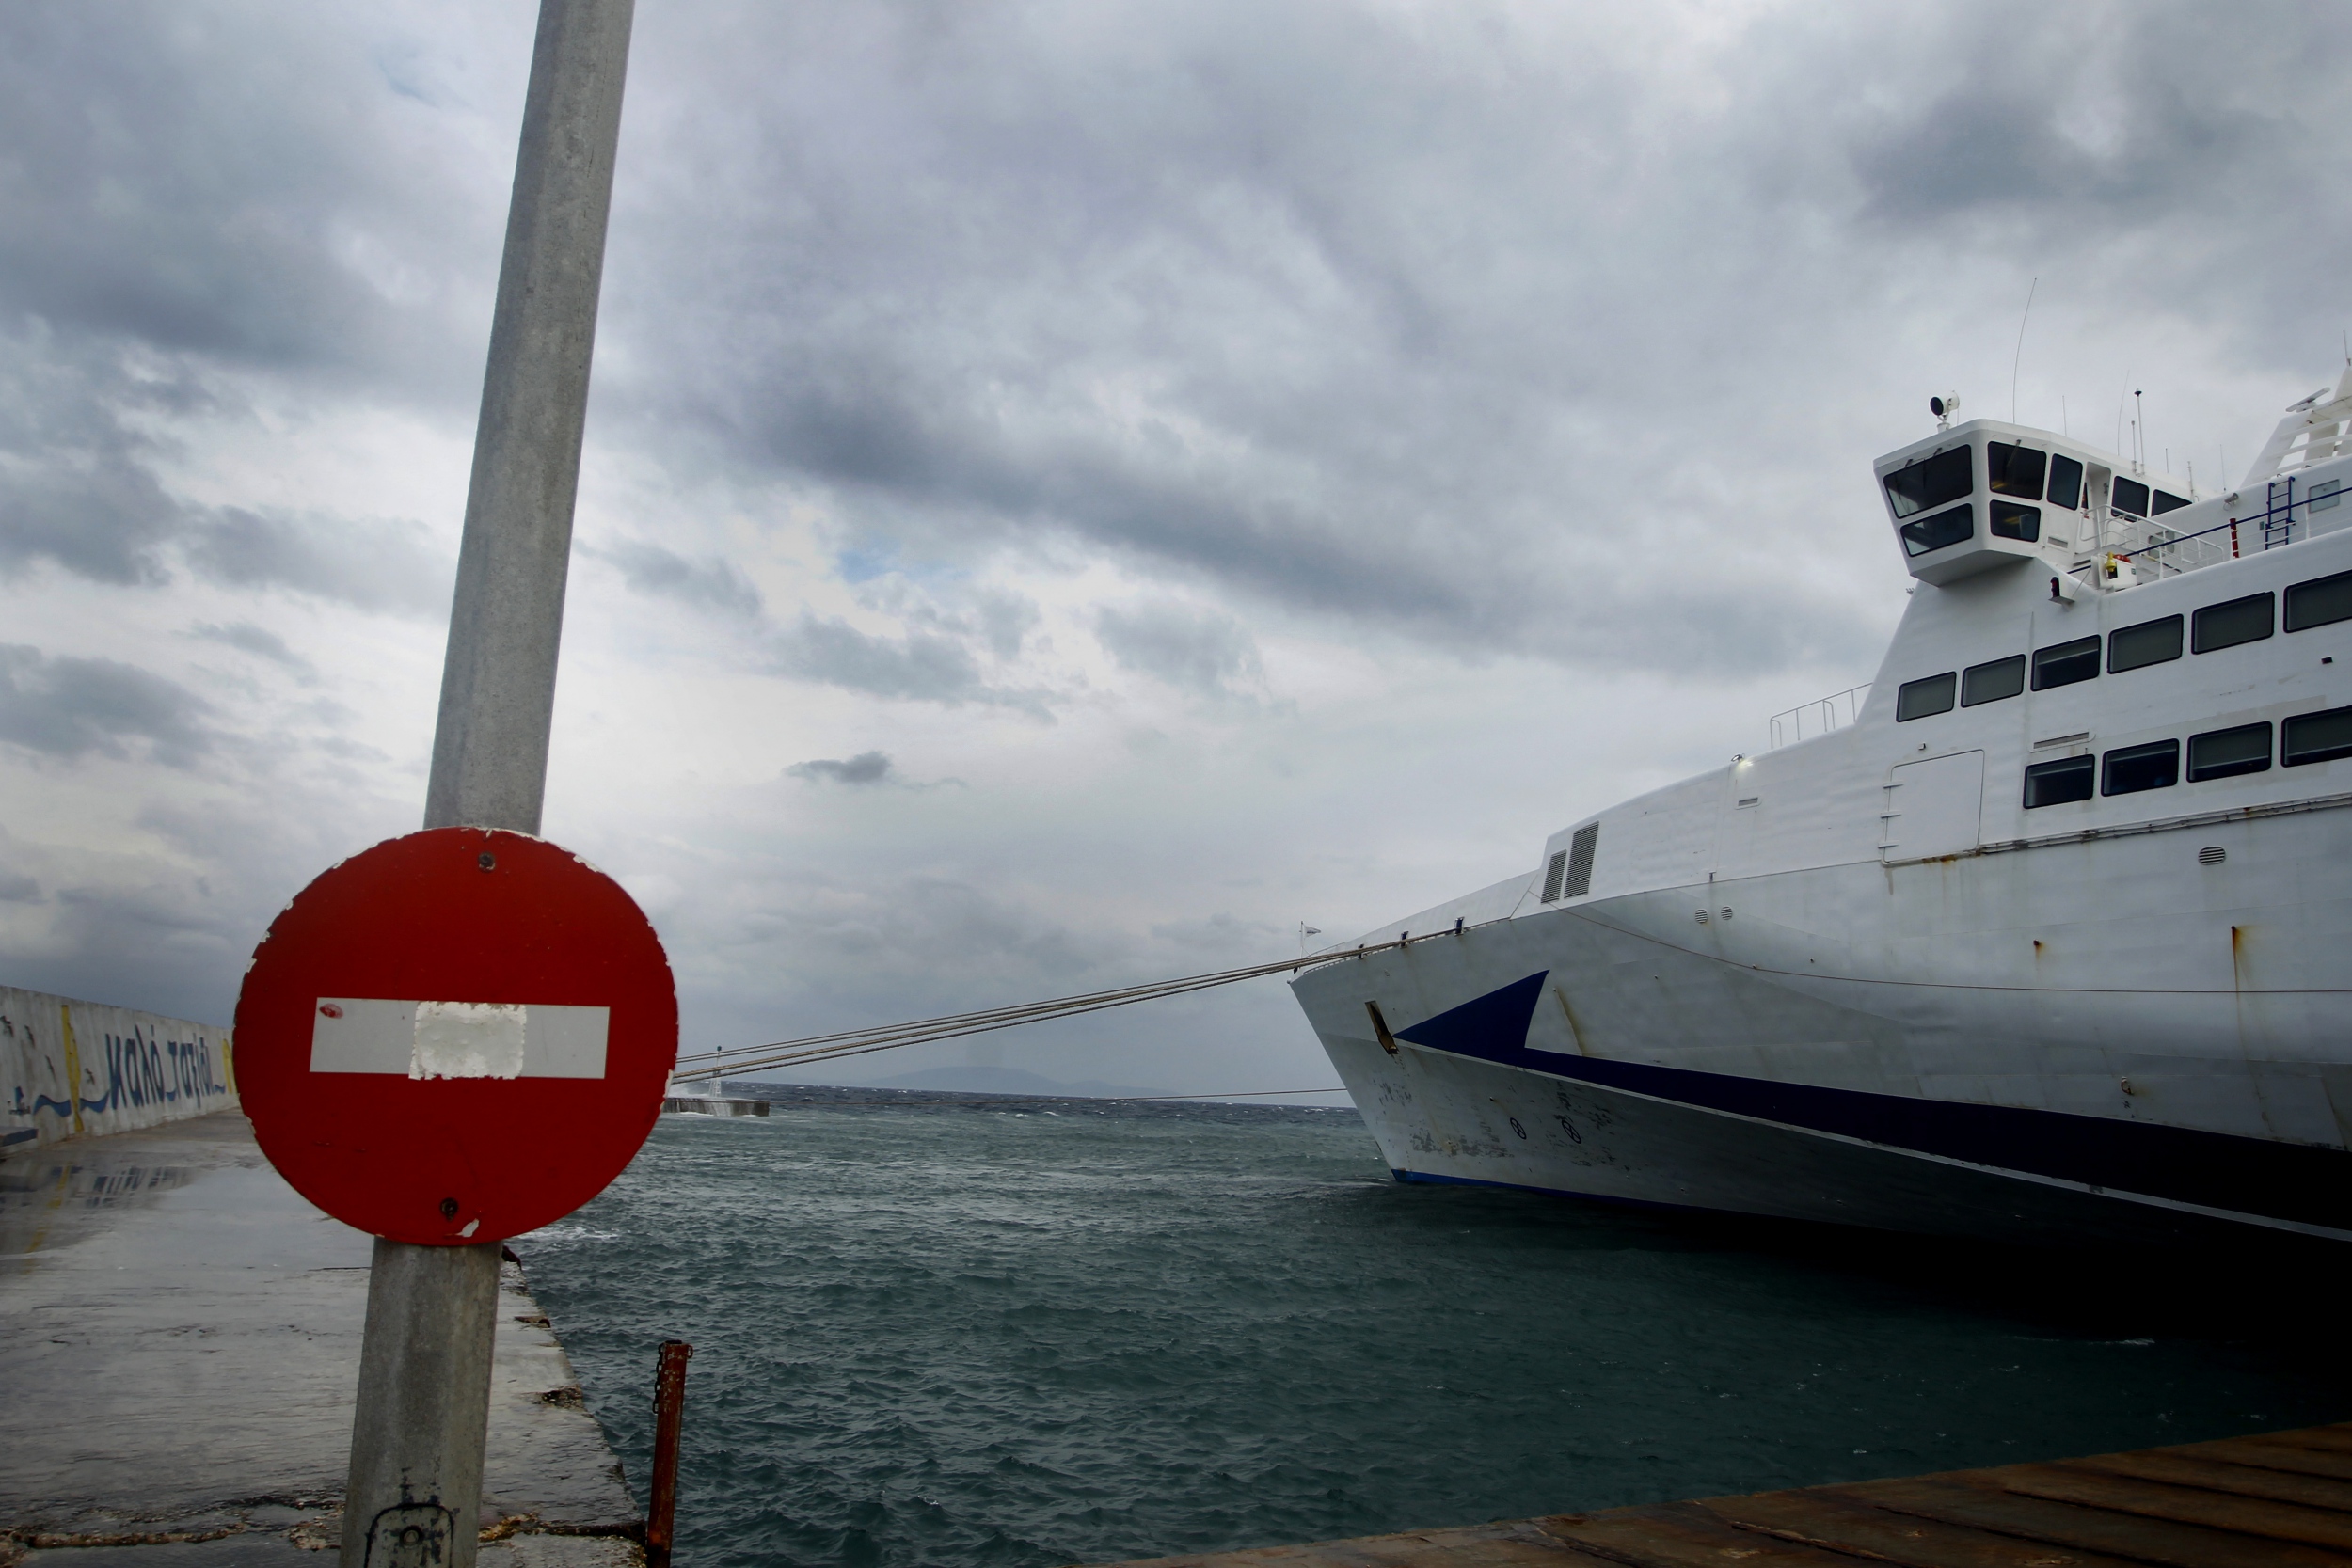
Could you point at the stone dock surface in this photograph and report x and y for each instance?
(180, 1343)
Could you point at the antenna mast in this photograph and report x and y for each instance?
(2015, 358)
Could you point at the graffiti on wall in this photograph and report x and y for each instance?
(69, 1067)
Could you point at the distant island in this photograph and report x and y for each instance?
(1084, 1097)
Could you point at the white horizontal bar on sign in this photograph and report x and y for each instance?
(458, 1039)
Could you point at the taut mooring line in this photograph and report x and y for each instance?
(858, 1042)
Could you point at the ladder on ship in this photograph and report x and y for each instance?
(2278, 520)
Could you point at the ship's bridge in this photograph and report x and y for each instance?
(1984, 494)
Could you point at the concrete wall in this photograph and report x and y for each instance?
(71, 1067)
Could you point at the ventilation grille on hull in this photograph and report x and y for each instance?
(1580, 861)
(1552, 877)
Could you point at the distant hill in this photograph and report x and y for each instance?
(1008, 1080)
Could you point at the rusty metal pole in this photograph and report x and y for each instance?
(414, 1492)
(669, 1417)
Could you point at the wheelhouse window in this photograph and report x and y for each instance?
(2227, 754)
(2014, 470)
(1931, 482)
(2236, 621)
(1938, 532)
(2065, 663)
(1990, 683)
(2167, 501)
(2316, 737)
(2327, 495)
(2149, 642)
(1921, 698)
(2012, 521)
(2066, 482)
(2129, 769)
(2060, 782)
(2129, 496)
(2321, 602)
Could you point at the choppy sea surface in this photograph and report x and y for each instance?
(1012, 1336)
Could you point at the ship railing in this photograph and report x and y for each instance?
(2167, 554)
(2289, 515)
(1818, 718)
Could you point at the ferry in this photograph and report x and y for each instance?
(2044, 936)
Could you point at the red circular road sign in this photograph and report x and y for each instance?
(456, 1037)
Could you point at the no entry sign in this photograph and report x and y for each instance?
(456, 1037)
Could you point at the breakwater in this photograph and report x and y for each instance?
(69, 1067)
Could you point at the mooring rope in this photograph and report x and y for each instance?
(996, 1102)
(858, 1042)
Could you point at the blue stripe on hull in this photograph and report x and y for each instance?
(2295, 1182)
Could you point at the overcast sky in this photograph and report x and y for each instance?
(1073, 490)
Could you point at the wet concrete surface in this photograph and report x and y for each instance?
(180, 1343)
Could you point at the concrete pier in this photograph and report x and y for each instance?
(180, 1339)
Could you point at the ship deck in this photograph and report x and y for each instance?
(2275, 1500)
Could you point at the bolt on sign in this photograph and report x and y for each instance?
(456, 1037)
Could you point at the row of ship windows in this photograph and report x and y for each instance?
(2319, 602)
(2013, 470)
(2307, 737)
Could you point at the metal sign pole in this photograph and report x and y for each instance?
(415, 1488)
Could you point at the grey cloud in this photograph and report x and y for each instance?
(1199, 651)
(1366, 352)
(223, 184)
(996, 619)
(70, 707)
(1218, 933)
(1006, 620)
(16, 887)
(2095, 118)
(708, 584)
(1391, 352)
(381, 564)
(920, 666)
(866, 768)
(80, 489)
(860, 933)
(260, 642)
(98, 520)
(1475, 330)
(77, 486)
(143, 930)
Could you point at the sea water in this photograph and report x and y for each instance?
(1024, 1336)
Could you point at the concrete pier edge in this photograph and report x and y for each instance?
(180, 1333)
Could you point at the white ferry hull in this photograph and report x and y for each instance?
(2112, 1042)
(2051, 940)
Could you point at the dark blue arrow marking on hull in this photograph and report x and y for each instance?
(2218, 1170)
(1480, 1027)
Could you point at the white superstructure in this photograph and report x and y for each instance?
(2052, 940)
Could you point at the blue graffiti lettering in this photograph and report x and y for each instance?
(119, 1085)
